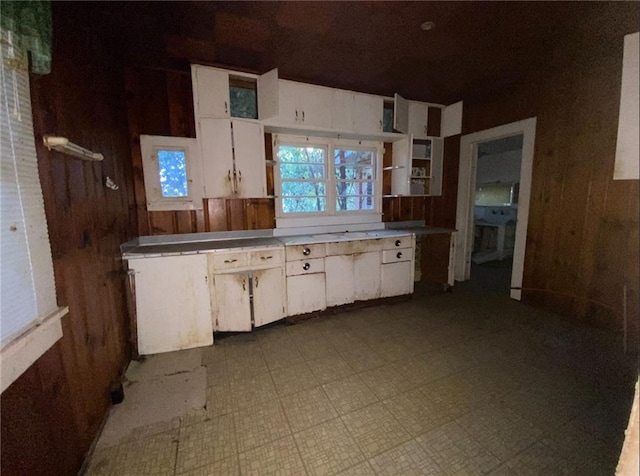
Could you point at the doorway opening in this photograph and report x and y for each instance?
(495, 212)
(521, 133)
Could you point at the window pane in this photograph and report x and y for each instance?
(354, 173)
(243, 102)
(353, 157)
(303, 155)
(350, 203)
(303, 189)
(304, 204)
(301, 171)
(172, 165)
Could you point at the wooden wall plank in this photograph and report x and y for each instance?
(215, 218)
(236, 214)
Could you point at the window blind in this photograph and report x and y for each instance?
(27, 286)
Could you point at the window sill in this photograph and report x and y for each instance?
(20, 353)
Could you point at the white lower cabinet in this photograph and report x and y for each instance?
(173, 309)
(340, 279)
(367, 280)
(243, 278)
(231, 302)
(397, 279)
(305, 293)
(268, 296)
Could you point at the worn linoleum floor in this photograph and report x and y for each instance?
(455, 384)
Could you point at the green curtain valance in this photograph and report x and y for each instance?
(26, 26)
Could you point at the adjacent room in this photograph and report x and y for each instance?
(317, 238)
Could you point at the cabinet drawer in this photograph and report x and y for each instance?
(394, 256)
(309, 266)
(298, 252)
(353, 247)
(224, 261)
(270, 257)
(396, 242)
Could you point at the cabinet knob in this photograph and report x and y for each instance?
(296, 114)
(306, 251)
(230, 260)
(226, 108)
(302, 116)
(399, 254)
(398, 242)
(306, 266)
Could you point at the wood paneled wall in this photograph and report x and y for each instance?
(52, 413)
(582, 241)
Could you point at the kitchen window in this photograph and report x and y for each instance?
(172, 173)
(326, 177)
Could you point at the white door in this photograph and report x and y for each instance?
(435, 186)
(210, 91)
(400, 114)
(173, 309)
(231, 302)
(217, 157)
(306, 293)
(342, 110)
(315, 106)
(268, 95)
(366, 270)
(288, 103)
(397, 279)
(268, 296)
(418, 114)
(402, 170)
(248, 144)
(340, 276)
(367, 113)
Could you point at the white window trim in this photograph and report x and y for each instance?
(155, 200)
(331, 216)
(27, 344)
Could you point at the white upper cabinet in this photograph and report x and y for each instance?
(418, 115)
(400, 114)
(210, 91)
(304, 105)
(233, 160)
(367, 113)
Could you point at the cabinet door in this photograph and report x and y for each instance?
(418, 116)
(397, 279)
(340, 279)
(268, 296)
(366, 270)
(268, 95)
(435, 188)
(231, 302)
(173, 308)
(306, 293)
(367, 113)
(288, 103)
(400, 114)
(210, 91)
(400, 174)
(315, 106)
(248, 144)
(217, 157)
(342, 110)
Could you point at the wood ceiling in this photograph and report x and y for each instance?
(475, 49)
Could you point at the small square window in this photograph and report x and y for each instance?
(171, 166)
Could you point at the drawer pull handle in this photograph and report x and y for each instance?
(398, 242)
(230, 260)
(399, 255)
(306, 251)
(266, 257)
(306, 266)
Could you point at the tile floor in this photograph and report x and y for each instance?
(463, 383)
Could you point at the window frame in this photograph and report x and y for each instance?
(152, 186)
(330, 145)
